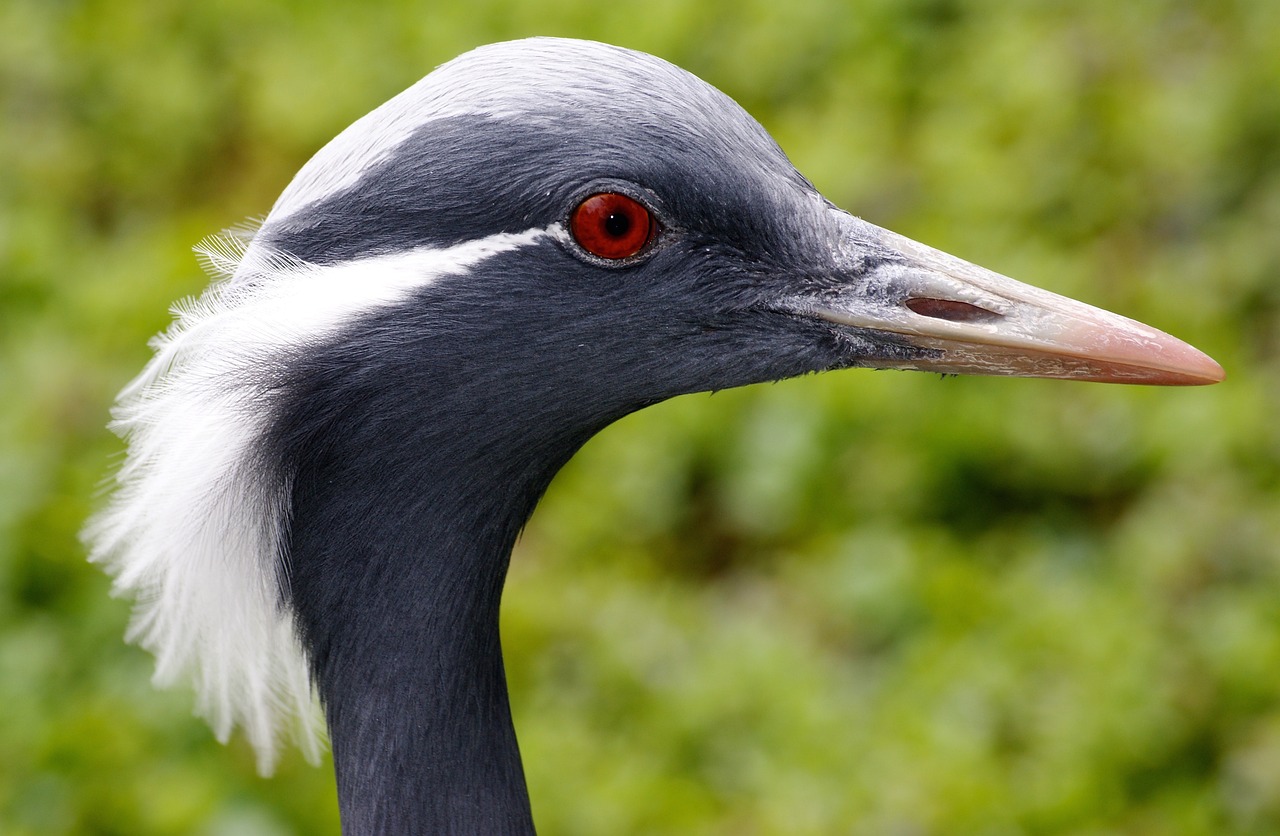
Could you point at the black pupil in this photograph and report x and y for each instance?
(617, 224)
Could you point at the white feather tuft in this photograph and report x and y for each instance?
(193, 530)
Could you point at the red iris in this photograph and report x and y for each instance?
(611, 225)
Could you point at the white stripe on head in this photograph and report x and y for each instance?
(193, 531)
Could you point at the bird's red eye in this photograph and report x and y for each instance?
(611, 225)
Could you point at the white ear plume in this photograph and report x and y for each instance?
(193, 530)
(193, 536)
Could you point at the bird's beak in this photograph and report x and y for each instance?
(963, 319)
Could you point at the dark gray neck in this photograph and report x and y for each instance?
(416, 701)
(401, 531)
(396, 581)
(409, 667)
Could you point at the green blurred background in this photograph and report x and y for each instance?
(875, 603)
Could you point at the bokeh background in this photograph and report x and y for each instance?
(865, 602)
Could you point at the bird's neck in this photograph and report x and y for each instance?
(396, 574)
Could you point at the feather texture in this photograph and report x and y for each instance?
(193, 532)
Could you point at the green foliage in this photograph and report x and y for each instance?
(863, 602)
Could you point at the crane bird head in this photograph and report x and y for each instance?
(451, 297)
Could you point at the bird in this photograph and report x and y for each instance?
(334, 448)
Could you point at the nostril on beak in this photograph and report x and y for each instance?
(951, 310)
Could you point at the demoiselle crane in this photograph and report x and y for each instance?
(333, 450)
